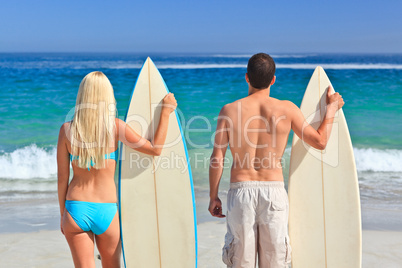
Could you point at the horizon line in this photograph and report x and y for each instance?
(193, 53)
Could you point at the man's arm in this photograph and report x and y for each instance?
(316, 138)
(217, 163)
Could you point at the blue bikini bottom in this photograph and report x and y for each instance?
(91, 216)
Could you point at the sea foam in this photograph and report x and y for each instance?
(35, 162)
(29, 162)
(275, 56)
(369, 159)
(300, 66)
(102, 64)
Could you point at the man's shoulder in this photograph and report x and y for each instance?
(230, 107)
(288, 108)
(285, 103)
(283, 107)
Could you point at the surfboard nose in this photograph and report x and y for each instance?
(319, 68)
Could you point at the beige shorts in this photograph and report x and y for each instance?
(257, 225)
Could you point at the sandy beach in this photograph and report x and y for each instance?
(29, 240)
(49, 248)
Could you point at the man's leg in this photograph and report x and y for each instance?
(273, 241)
(240, 240)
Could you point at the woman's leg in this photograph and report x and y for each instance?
(109, 245)
(81, 243)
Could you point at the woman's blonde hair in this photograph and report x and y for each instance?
(93, 126)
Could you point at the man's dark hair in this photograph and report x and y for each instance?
(260, 70)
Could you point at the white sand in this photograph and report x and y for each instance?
(36, 249)
(382, 249)
(49, 248)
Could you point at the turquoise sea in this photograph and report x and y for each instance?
(37, 92)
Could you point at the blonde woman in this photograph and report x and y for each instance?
(88, 205)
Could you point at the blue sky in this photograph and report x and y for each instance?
(201, 26)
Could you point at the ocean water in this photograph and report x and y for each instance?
(38, 91)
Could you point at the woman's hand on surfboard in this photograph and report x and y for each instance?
(334, 100)
(215, 208)
(169, 103)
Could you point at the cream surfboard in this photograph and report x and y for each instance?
(324, 201)
(156, 194)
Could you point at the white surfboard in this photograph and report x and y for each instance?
(156, 195)
(324, 200)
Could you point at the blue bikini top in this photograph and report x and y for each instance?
(112, 156)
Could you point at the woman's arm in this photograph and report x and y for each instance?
(63, 169)
(152, 147)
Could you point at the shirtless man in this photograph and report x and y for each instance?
(257, 128)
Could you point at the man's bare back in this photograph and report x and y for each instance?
(256, 128)
(258, 132)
